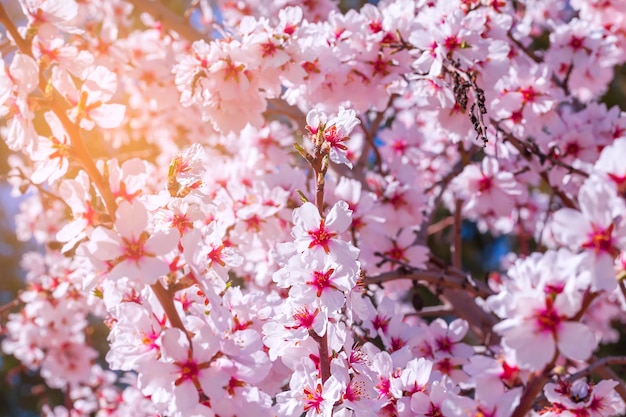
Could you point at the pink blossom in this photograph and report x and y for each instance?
(596, 230)
(132, 252)
(312, 232)
(90, 105)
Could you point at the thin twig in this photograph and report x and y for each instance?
(438, 278)
(622, 287)
(592, 367)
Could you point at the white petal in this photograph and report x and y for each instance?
(575, 340)
(174, 345)
(532, 351)
(108, 116)
(339, 218)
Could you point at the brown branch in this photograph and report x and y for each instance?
(8, 306)
(524, 49)
(370, 135)
(532, 390)
(440, 225)
(437, 278)
(21, 43)
(604, 362)
(433, 311)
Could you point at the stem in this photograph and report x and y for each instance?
(8, 306)
(167, 303)
(21, 43)
(457, 241)
(532, 390)
(600, 363)
(320, 166)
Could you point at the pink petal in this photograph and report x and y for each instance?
(161, 243)
(174, 345)
(108, 116)
(151, 269)
(132, 219)
(104, 244)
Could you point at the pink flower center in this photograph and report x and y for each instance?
(434, 411)
(444, 344)
(528, 94)
(375, 26)
(572, 148)
(216, 255)
(380, 67)
(187, 371)
(380, 323)
(313, 399)
(321, 237)
(484, 184)
(134, 248)
(399, 146)
(396, 344)
(384, 387)
(321, 281)
(600, 240)
(451, 43)
(509, 373)
(334, 138)
(268, 48)
(481, 412)
(548, 320)
(304, 318)
(576, 43)
(397, 253)
(149, 339)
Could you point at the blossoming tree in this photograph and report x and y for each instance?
(253, 197)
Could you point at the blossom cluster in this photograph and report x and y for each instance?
(255, 203)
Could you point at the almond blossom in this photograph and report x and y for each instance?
(596, 230)
(130, 250)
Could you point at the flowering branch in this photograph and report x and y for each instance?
(59, 108)
(81, 153)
